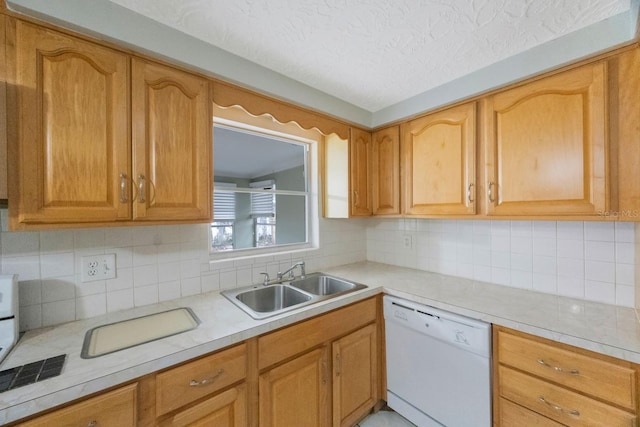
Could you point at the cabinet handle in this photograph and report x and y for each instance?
(141, 189)
(558, 368)
(469, 193)
(206, 381)
(555, 407)
(338, 365)
(123, 188)
(356, 196)
(491, 192)
(324, 371)
(92, 423)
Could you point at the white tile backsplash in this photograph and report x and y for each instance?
(589, 260)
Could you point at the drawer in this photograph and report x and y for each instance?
(592, 376)
(287, 342)
(512, 415)
(193, 380)
(560, 404)
(114, 408)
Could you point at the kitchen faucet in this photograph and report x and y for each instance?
(290, 271)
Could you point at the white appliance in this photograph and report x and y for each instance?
(438, 365)
(9, 323)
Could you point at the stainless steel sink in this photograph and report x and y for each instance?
(321, 284)
(272, 298)
(260, 301)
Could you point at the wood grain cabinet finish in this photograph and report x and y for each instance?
(100, 137)
(360, 172)
(438, 161)
(186, 383)
(297, 393)
(548, 384)
(385, 168)
(225, 409)
(72, 129)
(545, 145)
(171, 143)
(355, 378)
(113, 408)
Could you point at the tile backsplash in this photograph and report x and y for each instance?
(153, 264)
(587, 260)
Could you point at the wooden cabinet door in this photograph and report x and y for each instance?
(355, 379)
(545, 146)
(386, 171)
(72, 142)
(359, 172)
(171, 144)
(296, 393)
(438, 158)
(226, 409)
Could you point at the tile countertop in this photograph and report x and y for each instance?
(606, 329)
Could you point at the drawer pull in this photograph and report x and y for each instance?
(206, 381)
(555, 407)
(558, 368)
(92, 423)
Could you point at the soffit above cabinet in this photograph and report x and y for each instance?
(367, 61)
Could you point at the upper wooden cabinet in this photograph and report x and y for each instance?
(545, 145)
(359, 172)
(171, 143)
(438, 160)
(70, 150)
(72, 118)
(385, 171)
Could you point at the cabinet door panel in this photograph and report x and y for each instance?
(172, 143)
(386, 172)
(438, 156)
(354, 376)
(359, 172)
(545, 146)
(296, 393)
(73, 141)
(226, 409)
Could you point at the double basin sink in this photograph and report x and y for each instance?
(261, 301)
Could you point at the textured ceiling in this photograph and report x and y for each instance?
(376, 53)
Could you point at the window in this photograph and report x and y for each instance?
(261, 189)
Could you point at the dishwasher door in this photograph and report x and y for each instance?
(438, 366)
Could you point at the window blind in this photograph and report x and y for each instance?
(263, 204)
(224, 203)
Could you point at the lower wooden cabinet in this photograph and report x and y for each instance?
(226, 409)
(297, 392)
(113, 408)
(355, 375)
(540, 382)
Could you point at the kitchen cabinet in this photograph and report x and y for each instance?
(113, 408)
(225, 409)
(101, 137)
(296, 393)
(3, 111)
(545, 145)
(547, 383)
(438, 163)
(359, 172)
(355, 379)
(329, 358)
(385, 171)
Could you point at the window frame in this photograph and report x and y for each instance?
(264, 126)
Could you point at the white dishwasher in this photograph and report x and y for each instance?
(438, 365)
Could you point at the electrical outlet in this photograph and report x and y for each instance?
(98, 267)
(408, 241)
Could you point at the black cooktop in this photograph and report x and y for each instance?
(31, 372)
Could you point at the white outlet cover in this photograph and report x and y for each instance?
(98, 267)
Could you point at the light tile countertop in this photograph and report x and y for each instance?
(602, 328)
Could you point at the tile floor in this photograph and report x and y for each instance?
(384, 419)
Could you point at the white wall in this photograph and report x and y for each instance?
(587, 260)
(154, 264)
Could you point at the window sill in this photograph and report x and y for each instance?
(241, 255)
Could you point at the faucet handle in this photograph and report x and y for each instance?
(265, 282)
